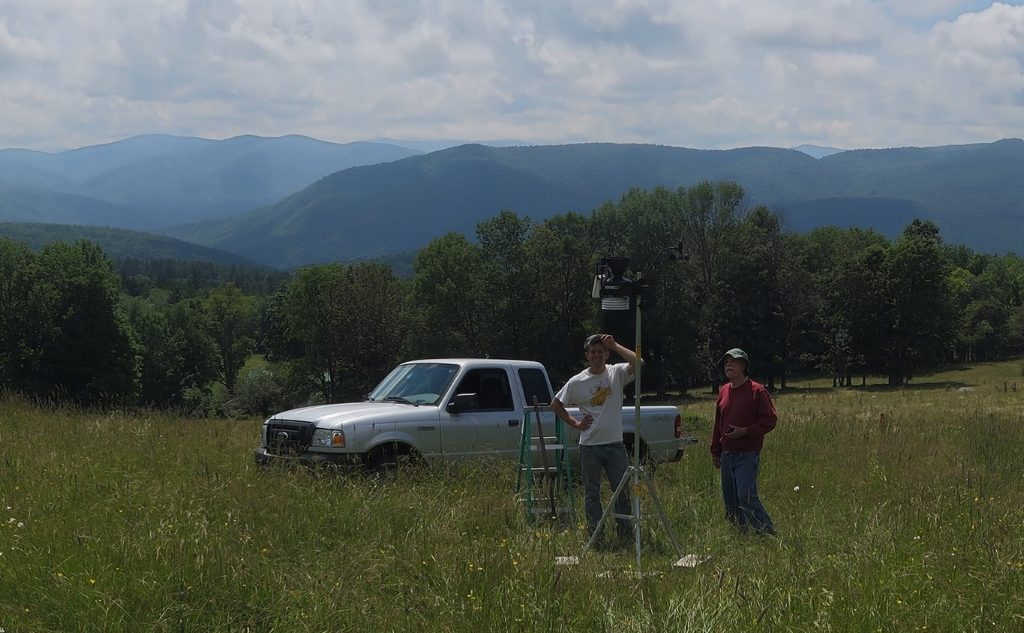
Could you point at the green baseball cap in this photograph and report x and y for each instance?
(735, 353)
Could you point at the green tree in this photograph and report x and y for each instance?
(853, 311)
(375, 325)
(93, 357)
(709, 215)
(449, 299)
(177, 352)
(559, 271)
(232, 318)
(341, 328)
(27, 324)
(312, 333)
(502, 242)
(752, 316)
(921, 297)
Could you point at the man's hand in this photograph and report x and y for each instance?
(717, 460)
(584, 423)
(608, 341)
(736, 432)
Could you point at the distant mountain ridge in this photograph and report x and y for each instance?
(292, 200)
(818, 151)
(974, 192)
(158, 180)
(118, 243)
(440, 144)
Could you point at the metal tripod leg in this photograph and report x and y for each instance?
(661, 512)
(627, 477)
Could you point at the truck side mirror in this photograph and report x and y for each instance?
(463, 402)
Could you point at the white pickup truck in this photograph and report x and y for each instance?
(443, 410)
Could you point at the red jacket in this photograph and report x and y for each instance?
(748, 405)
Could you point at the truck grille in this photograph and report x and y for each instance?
(286, 437)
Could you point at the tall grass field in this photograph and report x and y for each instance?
(897, 510)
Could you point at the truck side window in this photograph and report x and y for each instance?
(491, 386)
(534, 384)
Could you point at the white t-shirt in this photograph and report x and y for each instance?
(600, 395)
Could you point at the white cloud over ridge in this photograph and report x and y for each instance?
(722, 73)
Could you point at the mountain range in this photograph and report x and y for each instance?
(975, 193)
(285, 202)
(156, 180)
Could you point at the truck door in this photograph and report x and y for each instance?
(491, 429)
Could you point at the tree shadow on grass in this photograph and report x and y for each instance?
(941, 385)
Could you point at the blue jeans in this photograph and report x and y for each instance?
(743, 508)
(612, 459)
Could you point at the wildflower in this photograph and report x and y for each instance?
(20, 524)
(92, 581)
(796, 488)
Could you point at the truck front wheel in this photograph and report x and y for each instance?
(388, 458)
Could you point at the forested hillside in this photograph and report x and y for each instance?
(973, 193)
(118, 243)
(849, 302)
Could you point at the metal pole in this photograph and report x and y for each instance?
(636, 438)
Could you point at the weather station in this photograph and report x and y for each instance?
(620, 293)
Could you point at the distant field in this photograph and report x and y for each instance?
(897, 510)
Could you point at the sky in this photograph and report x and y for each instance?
(709, 74)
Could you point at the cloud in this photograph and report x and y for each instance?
(721, 73)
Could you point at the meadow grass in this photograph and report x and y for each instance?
(898, 510)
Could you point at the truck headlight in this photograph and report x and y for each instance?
(328, 437)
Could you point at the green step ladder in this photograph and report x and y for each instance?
(546, 490)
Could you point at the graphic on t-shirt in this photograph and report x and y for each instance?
(600, 395)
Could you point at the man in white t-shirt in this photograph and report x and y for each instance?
(597, 391)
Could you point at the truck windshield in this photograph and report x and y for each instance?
(416, 383)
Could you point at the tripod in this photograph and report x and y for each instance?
(636, 474)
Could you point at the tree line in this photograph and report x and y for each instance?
(75, 327)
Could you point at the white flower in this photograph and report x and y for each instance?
(796, 488)
(20, 524)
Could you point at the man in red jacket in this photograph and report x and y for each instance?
(743, 414)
